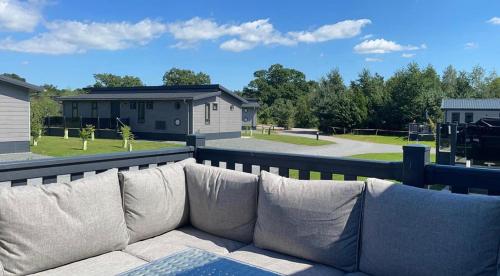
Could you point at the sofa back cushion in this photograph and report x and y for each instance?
(47, 226)
(155, 200)
(413, 231)
(318, 220)
(222, 202)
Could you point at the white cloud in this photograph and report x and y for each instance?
(236, 45)
(382, 46)
(250, 34)
(340, 30)
(67, 37)
(408, 55)
(471, 45)
(365, 37)
(369, 59)
(19, 16)
(494, 20)
(191, 31)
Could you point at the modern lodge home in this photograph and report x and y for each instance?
(162, 112)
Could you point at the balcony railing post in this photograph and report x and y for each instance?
(196, 141)
(415, 158)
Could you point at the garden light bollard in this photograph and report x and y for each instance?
(317, 135)
(66, 133)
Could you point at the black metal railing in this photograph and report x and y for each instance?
(18, 173)
(415, 169)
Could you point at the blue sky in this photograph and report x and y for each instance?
(65, 42)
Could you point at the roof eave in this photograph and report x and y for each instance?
(23, 84)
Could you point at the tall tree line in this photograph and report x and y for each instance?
(411, 94)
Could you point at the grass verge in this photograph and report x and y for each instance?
(296, 140)
(391, 140)
(367, 156)
(57, 146)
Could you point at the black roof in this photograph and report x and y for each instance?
(252, 102)
(19, 83)
(177, 92)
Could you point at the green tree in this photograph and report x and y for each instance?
(371, 96)
(415, 94)
(449, 82)
(494, 88)
(284, 113)
(283, 86)
(277, 82)
(14, 76)
(264, 115)
(176, 76)
(335, 105)
(110, 80)
(37, 116)
(304, 116)
(464, 86)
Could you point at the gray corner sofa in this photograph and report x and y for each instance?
(114, 221)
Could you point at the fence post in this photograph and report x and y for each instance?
(453, 144)
(415, 158)
(195, 140)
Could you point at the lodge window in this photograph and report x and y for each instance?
(93, 112)
(455, 117)
(160, 125)
(231, 107)
(215, 106)
(207, 114)
(133, 105)
(74, 110)
(141, 112)
(149, 105)
(469, 117)
(177, 105)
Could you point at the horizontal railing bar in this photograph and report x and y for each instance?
(71, 165)
(337, 165)
(462, 177)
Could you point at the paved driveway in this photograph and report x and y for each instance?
(342, 147)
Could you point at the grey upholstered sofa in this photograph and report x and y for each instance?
(112, 222)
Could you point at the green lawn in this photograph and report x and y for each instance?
(296, 140)
(367, 156)
(392, 140)
(57, 146)
(385, 156)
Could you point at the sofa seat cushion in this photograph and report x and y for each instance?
(110, 263)
(222, 202)
(318, 220)
(280, 263)
(47, 226)
(178, 240)
(412, 231)
(155, 200)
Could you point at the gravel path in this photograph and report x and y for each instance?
(342, 147)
